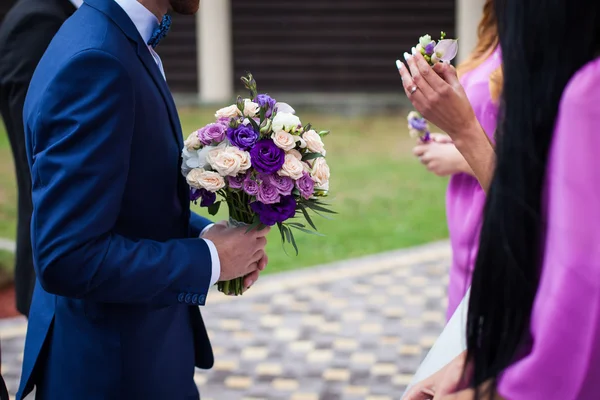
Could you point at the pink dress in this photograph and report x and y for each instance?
(465, 198)
(563, 358)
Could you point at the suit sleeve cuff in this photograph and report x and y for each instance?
(216, 263)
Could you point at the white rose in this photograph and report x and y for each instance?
(243, 156)
(228, 112)
(285, 122)
(224, 161)
(314, 142)
(296, 154)
(320, 171)
(324, 187)
(284, 140)
(292, 167)
(201, 179)
(192, 142)
(301, 142)
(250, 108)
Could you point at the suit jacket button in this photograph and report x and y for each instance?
(195, 299)
(180, 298)
(188, 298)
(201, 299)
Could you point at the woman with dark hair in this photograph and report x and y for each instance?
(533, 329)
(480, 75)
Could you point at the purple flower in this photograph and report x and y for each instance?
(236, 182)
(212, 133)
(430, 48)
(266, 157)
(207, 198)
(268, 194)
(306, 186)
(243, 137)
(250, 186)
(267, 102)
(224, 121)
(419, 124)
(270, 214)
(284, 184)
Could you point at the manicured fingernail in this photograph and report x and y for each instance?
(250, 284)
(399, 64)
(407, 56)
(414, 51)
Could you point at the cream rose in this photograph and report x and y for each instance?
(192, 142)
(228, 112)
(224, 161)
(320, 171)
(201, 179)
(250, 108)
(314, 142)
(296, 154)
(243, 156)
(292, 167)
(284, 140)
(285, 122)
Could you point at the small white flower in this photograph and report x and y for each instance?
(446, 50)
(228, 112)
(292, 167)
(424, 40)
(320, 172)
(314, 142)
(284, 108)
(284, 140)
(250, 108)
(285, 122)
(192, 142)
(201, 179)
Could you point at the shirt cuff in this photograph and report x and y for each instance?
(215, 262)
(206, 228)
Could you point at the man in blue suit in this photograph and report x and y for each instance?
(122, 264)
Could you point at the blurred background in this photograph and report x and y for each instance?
(334, 61)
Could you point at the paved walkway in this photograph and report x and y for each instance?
(355, 330)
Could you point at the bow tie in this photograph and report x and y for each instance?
(160, 32)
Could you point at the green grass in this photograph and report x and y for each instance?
(385, 199)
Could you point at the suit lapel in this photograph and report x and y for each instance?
(159, 80)
(113, 11)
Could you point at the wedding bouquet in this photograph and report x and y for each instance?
(445, 50)
(260, 160)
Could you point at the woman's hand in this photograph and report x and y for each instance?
(441, 158)
(446, 381)
(437, 94)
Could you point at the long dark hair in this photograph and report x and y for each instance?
(544, 43)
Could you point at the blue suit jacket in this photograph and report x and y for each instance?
(120, 267)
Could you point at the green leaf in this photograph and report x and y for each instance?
(293, 241)
(317, 207)
(281, 227)
(214, 209)
(307, 230)
(323, 133)
(311, 156)
(263, 112)
(254, 124)
(307, 127)
(323, 216)
(307, 216)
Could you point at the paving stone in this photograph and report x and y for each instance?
(356, 330)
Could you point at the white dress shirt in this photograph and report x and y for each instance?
(76, 3)
(146, 24)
